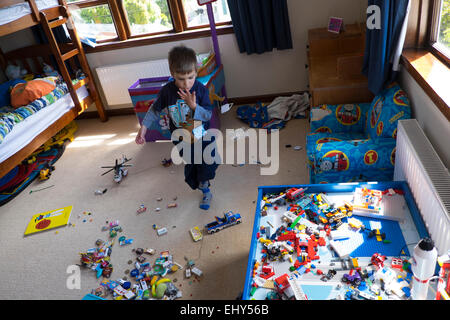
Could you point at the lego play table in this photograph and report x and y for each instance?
(399, 220)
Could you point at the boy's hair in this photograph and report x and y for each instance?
(182, 60)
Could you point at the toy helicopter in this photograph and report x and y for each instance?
(119, 171)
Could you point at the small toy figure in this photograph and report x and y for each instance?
(46, 172)
(166, 162)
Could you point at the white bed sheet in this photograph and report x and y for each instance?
(26, 130)
(14, 12)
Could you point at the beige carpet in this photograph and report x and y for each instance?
(35, 267)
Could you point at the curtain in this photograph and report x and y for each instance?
(384, 44)
(260, 25)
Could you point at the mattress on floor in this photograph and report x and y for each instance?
(17, 11)
(25, 131)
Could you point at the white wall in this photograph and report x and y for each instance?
(253, 75)
(15, 41)
(434, 124)
(245, 75)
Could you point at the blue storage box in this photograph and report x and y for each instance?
(145, 91)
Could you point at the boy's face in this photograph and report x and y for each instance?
(185, 80)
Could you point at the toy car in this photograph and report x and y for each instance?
(229, 219)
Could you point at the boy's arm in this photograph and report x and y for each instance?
(154, 111)
(204, 109)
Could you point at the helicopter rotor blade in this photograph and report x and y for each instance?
(107, 171)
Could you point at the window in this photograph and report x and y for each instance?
(95, 23)
(440, 28)
(114, 20)
(197, 15)
(148, 16)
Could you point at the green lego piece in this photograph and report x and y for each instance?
(295, 222)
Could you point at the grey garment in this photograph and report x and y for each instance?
(286, 108)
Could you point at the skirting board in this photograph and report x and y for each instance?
(236, 101)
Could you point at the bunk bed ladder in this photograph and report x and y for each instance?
(76, 50)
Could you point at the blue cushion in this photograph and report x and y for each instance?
(391, 105)
(5, 94)
(313, 139)
(339, 118)
(360, 155)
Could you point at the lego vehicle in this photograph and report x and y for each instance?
(352, 278)
(119, 171)
(378, 234)
(229, 219)
(46, 172)
(295, 193)
(304, 202)
(336, 217)
(331, 273)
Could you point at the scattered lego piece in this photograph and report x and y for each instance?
(196, 234)
(141, 208)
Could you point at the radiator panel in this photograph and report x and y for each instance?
(417, 163)
(116, 79)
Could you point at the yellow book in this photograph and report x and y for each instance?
(49, 220)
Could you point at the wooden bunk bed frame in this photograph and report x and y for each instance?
(49, 19)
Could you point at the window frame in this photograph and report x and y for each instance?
(434, 21)
(125, 39)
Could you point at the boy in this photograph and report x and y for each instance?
(185, 98)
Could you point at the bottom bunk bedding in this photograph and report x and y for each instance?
(13, 183)
(26, 130)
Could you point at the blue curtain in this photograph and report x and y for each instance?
(260, 25)
(382, 43)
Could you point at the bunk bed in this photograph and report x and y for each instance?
(28, 135)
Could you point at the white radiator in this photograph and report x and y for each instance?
(417, 163)
(116, 79)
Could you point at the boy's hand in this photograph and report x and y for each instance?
(140, 137)
(188, 97)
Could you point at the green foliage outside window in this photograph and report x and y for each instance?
(139, 12)
(444, 30)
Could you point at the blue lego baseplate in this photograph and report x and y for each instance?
(361, 245)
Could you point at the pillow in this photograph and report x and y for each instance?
(344, 118)
(24, 93)
(5, 95)
(354, 155)
(391, 105)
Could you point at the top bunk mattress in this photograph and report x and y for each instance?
(25, 131)
(17, 11)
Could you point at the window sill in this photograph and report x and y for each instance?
(144, 41)
(431, 74)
